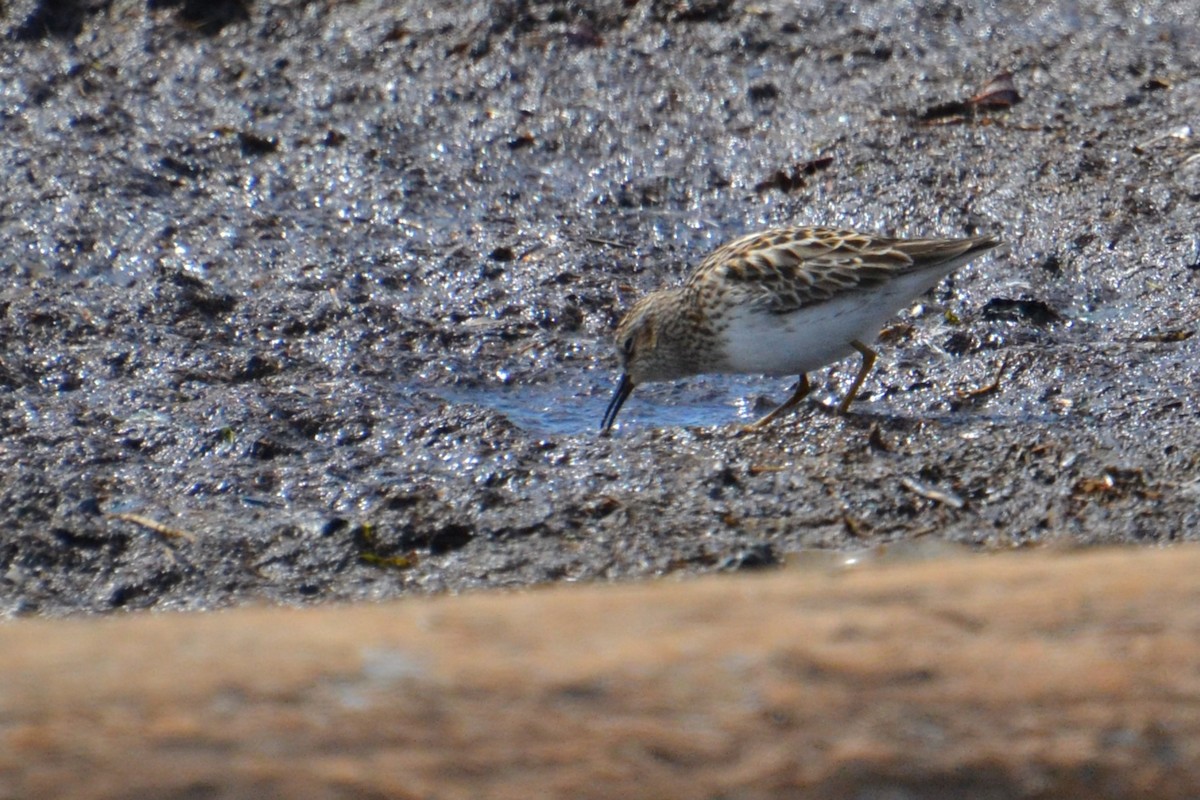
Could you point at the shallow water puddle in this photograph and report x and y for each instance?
(578, 408)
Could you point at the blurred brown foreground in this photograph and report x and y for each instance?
(1037, 675)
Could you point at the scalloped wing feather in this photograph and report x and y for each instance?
(789, 268)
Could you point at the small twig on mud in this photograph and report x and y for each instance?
(855, 527)
(149, 524)
(609, 242)
(528, 251)
(930, 493)
(1182, 133)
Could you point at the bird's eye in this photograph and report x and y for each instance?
(627, 346)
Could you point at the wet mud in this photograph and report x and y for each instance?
(312, 302)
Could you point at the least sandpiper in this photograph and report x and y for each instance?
(781, 302)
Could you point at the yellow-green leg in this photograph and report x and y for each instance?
(802, 390)
(868, 361)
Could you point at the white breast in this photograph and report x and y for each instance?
(760, 342)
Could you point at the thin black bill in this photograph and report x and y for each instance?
(624, 389)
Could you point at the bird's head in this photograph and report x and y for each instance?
(645, 352)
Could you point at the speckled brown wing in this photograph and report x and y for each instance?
(789, 268)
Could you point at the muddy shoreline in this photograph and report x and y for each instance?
(311, 302)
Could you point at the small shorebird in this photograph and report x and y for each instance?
(781, 302)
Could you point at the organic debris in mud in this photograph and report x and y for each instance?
(1035, 311)
(1115, 483)
(166, 531)
(998, 94)
(946, 498)
(788, 180)
(369, 550)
